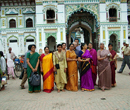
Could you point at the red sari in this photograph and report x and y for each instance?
(112, 63)
(94, 64)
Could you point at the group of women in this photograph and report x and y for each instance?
(61, 67)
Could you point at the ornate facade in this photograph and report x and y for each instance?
(49, 22)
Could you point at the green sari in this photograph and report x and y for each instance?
(33, 59)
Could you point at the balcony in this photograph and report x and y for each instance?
(112, 19)
(50, 21)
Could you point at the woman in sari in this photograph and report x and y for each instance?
(47, 68)
(33, 66)
(104, 69)
(93, 62)
(86, 72)
(72, 82)
(113, 63)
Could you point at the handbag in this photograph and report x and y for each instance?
(57, 66)
(22, 74)
(35, 79)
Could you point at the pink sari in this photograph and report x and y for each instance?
(104, 70)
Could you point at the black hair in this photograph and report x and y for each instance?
(77, 39)
(71, 44)
(63, 44)
(110, 44)
(82, 44)
(33, 45)
(1, 54)
(59, 45)
(46, 47)
(29, 47)
(90, 43)
(124, 42)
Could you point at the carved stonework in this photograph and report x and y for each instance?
(117, 33)
(102, 1)
(51, 34)
(123, 1)
(91, 8)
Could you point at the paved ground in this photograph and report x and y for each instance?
(118, 98)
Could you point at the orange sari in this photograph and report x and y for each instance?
(72, 83)
(48, 75)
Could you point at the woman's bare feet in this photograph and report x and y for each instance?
(82, 90)
(103, 90)
(3, 88)
(13, 77)
(63, 90)
(58, 91)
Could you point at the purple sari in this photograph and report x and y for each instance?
(86, 79)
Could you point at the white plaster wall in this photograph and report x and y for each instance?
(39, 14)
(102, 11)
(123, 14)
(61, 14)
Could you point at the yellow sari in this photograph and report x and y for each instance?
(48, 74)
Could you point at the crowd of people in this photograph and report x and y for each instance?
(61, 67)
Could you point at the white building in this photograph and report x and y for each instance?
(50, 22)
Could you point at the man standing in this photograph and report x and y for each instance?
(76, 50)
(124, 44)
(64, 47)
(24, 79)
(10, 62)
(78, 46)
(126, 59)
(93, 62)
(77, 53)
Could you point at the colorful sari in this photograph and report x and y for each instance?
(72, 83)
(94, 65)
(48, 75)
(112, 63)
(104, 70)
(86, 72)
(33, 59)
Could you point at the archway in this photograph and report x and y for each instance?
(84, 21)
(51, 42)
(29, 41)
(13, 43)
(113, 40)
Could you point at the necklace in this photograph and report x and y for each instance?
(46, 54)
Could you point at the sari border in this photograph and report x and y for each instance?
(48, 74)
(104, 70)
(48, 90)
(88, 89)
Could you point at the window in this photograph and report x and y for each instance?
(12, 23)
(50, 16)
(29, 40)
(112, 15)
(29, 23)
(12, 41)
(129, 20)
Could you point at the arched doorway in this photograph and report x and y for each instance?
(13, 43)
(113, 40)
(86, 23)
(51, 42)
(29, 41)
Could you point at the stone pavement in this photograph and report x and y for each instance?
(118, 98)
